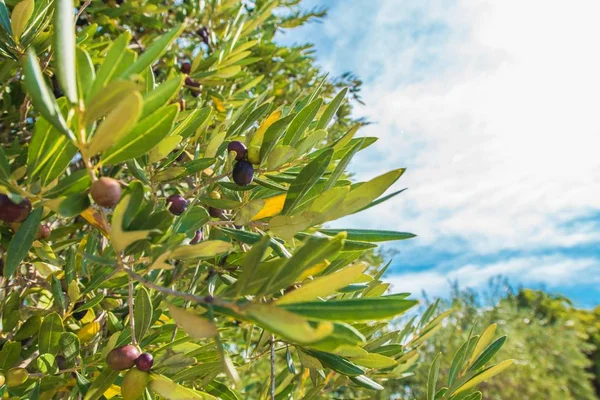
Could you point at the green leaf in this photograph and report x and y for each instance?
(341, 167)
(192, 324)
(101, 384)
(361, 309)
(434, 373)
(301, 121)
(206, 249)
(280, 155)
(50, 333)
(287, 325)
(57, 293)
(20, 16)
(488, 353)
(4, 18)
(250, 264)
(21, 242)
(367, 235)
(120, 239)
(336, 363)
(29, 328)
(46, 364)
(484, 375)
(74, 204)
(484, 340)
(64, 46)
(69, 345)
(9, 355)
(366, 382)
(115, 57)
(153, 52)
(4, 167)
(459, 359)
(194, 123)
(144, 136)
(79, 181)
(118, 123)
(273, 135)
(331, 109)
(306, 179)
(324, 286)
(108, 99)
(86, 74)
(222, 391)
(90, 303)
(142, 313)
(161, 95)
(41, 98)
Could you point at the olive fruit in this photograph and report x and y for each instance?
(58, 93)
(214, 195)
(134, 384)
(122, 358)
(79, 314)
(215, 212)
(11, 212)
(1, 267)
(193, 85)
(106, 192)
(243, 173)
(61, 362)
(204, 34)
(2, 379)
(109, 303)
(16, 376)
(186, 67)
(198, 237)
(177, 204)
(254, 154)
(144, 362)
(43, 232)
(239, 148)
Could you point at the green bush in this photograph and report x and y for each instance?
(165, 174)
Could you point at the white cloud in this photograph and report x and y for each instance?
(493, 107)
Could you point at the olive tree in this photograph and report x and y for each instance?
(167, 172)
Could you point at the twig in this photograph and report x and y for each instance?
(272, 344)
(83, 7)
(131, 319)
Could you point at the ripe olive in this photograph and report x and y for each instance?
(215, 212)
(61, 362)
(243, 173)
(186, 67)
(106, 192)
(177, 204)
(122, 358)
(193, 85)
(11, 212)
(80, 314)
(198, 237)
(239, 148)
(144, 362)
(43, 232)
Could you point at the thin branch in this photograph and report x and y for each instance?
(272, 344)
(131, 319)
(83, 7)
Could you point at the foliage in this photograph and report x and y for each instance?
(218, 268)
(550, 340)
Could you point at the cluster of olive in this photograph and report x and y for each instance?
(138, 364)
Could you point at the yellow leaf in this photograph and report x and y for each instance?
(208, 248)
(112, 391)
(484, 341)
(314, 270)
(214, 143)
(484, 375)
(324, 285)
(164, 148)
(227, 72)
(273, 206)
(170, 390)
(192, 324)
(117, 123)
(19, 18)
(257, 139)
(120, 239)
(88, 332)
(286, 226)
(93, 217)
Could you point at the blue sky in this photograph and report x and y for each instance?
(493, 108)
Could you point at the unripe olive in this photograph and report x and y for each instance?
(239, 148)
(110, 303)
(144, 362)
(122, 358)
(254, 154)
(2, 379)
(177, 204)
(134, 384)
(11, 212)
(243, 173)
(106, 192)
(16, 377)
(214, 195)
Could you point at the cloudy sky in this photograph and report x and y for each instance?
(493, 108)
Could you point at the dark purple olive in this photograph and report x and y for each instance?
(215, 212)
(144, 362)
(198, 237)
(239, 148)
(204, 34)
(193, 85)
(58, 93)
(106, 192)
(186, 67)
(243, 173)
(80, 314)
(1, 267)
(61, 362)
(177, 204)
(11, 212)
(122, 358)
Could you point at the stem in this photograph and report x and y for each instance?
(131, 319)
(272, 344)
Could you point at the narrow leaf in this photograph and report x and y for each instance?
(64, 46)
(21, 242)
